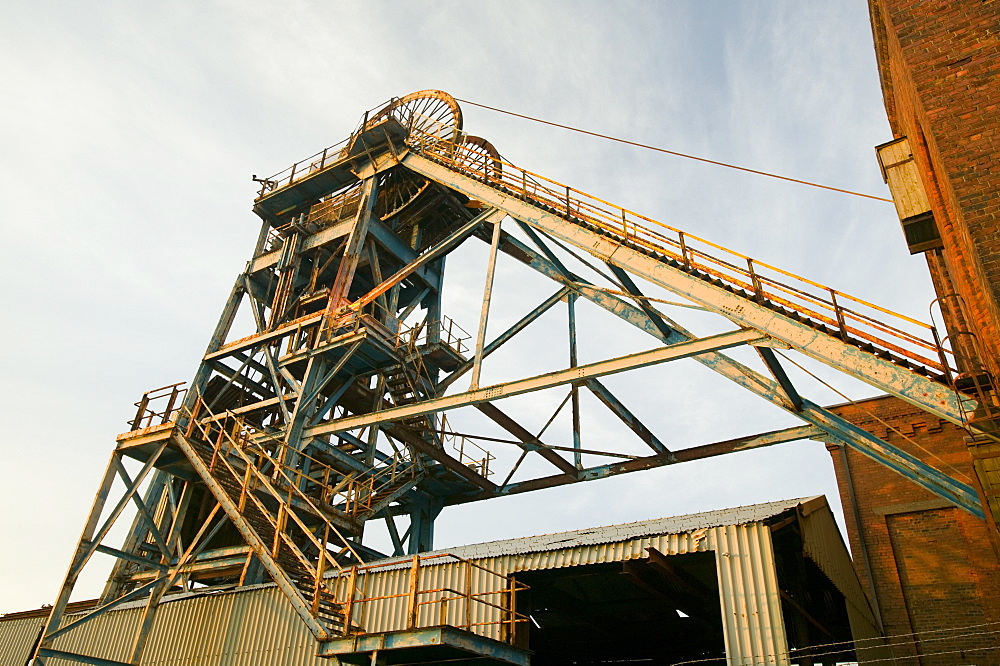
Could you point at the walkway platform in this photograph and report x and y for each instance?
(432, 645)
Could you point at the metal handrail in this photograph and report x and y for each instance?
(507, 590)
(146, 410)
(849, 316)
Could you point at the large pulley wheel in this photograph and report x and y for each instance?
(478, 155)
(433, 112)
(397, 189)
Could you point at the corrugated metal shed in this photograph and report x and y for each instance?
(17, 639)
(257, 625)
(593, 536)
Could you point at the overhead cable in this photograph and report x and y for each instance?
(916, 639)
(675, 153)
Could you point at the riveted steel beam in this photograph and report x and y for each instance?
(962, 495)
(914, 388)
(548, 380)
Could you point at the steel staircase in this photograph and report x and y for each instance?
(274, 511)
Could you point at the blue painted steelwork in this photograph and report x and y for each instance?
(327, 414)
(937, 482)
(885, 375)
(438, 644)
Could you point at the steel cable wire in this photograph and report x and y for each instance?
(675, 153)
(918, 638)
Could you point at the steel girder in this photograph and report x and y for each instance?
(915, 388)
(330, 412)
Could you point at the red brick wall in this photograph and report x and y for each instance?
(933, 565)
(939, 62)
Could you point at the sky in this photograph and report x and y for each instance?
(130, 132)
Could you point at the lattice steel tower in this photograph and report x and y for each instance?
(331, 412)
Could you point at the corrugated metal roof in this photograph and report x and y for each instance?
(592, 536)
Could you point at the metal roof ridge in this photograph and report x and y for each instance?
(683, 523)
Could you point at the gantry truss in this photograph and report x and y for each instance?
(333, 411)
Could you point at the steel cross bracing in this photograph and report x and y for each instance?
(330, 412)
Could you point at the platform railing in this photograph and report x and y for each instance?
(470, 596)
(303, 168)
(450, 333)
(414, 122)
(843, 315)
(158, 406)
(846, 316)
(468, 452)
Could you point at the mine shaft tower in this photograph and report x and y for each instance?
(333, 411)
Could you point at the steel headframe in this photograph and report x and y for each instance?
(331, 412)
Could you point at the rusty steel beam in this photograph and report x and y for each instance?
(528, 442)
(650, 462)
(929, 395)
(355, 243)
(771, 361)
(627, 417)
(750, 442)
(477, 359)
(548, 380)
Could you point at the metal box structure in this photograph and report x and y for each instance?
(900, 172)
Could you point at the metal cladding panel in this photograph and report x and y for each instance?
(381, 614)
(236, 629)
(17, 638)
(824, 546)
(232, 629)
(748, 589)
(100, 637)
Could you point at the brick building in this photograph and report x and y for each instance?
(926, 564)
(929, 566)
(939, 64)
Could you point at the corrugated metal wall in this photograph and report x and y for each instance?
(245, 628)
(751, 601)
(17, 638)
(257, 626)
(824, 546)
